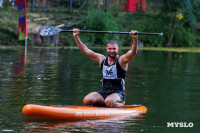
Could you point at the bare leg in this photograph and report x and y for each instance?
(43, 3)
(36, 3)
(93, 98)
(114, 101)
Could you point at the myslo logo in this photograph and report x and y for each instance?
(180, 124)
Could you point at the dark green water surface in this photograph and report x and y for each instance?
(167, 83)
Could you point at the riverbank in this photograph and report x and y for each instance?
(188, 49)
(88, 19)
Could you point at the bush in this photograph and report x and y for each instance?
(144, 24)
(8, 37)
(184, 37)
(156, 26)
(66, 3)
(100, 21)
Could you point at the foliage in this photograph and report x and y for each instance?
(142, 24)
(156, 26)
(8, 26)
(100, 21)
(196, 10)
(189, 21)
(8, 37)
(64, 3)
(184, 37)
(185, 34)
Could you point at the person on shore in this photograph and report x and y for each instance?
(1, 3)
(12, 3)
(37, 4)
(114, 69)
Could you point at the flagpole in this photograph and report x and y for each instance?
(25, 43)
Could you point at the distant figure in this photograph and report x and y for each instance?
(42, 6)
(1, 3)
(12, 2)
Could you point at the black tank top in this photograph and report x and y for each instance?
(113, 76)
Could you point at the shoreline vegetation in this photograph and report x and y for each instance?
(181, 28)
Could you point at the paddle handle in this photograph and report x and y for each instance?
(114, 32)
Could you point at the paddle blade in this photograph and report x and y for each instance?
(49, 31)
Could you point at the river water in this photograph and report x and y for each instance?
(167, 83)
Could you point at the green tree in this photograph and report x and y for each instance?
(185, 7)
(100, 21)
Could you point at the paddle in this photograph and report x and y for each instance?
(51, 30)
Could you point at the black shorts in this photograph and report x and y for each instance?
(105, 93)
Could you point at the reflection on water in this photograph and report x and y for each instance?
(115, 124)
(167, 83)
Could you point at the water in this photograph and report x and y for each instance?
(167, 83)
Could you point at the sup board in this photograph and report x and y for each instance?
(80, 112)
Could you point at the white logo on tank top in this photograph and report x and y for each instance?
(110, 72)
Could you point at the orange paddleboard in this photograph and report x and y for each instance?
(80, 112)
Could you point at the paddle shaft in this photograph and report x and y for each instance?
(113, 32)
(51, 30)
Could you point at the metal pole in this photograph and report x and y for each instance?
(106, 6)
(25, 43)
(32, 5)
(70, 5)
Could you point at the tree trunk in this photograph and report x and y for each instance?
(172, 31)
(141, 6)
